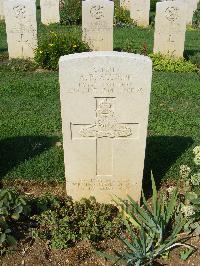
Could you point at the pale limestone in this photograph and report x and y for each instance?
(170, 27)
(104, 106)
(139, 12)
(21, 28)
(1, 9)
(97, 24)
(191, 8)
(126, 4)
(50, 11)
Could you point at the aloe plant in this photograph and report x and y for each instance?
(152, 232)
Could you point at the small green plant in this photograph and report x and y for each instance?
(12, 208)
(171, 64)
(54, 45)
(64, 222)
(196, 18)
(71, 12)
(151, 233)
(130, 46)
(19, 65)
(122, 16)
(185, 254)
(191, 203)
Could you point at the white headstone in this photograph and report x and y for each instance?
(126, 4)
(139, 12)
(191, 8)
(104, 105)
(97, 24)
(21, 28)
(1, 9)
(49, 11)
(170, 27)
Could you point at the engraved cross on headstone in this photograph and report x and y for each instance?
(104, 130)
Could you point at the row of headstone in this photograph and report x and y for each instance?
(49, 11)
(139, 10)
(170, 26)
(97, 25)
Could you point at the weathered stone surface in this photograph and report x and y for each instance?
(1, 9)
(49, 11)
(97, 24)
(170, 27)
(21, 28)
(126, 4)
(104, 105)
(139, 12)
(191, 8)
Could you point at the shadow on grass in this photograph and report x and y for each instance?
(188, 53)
(16, 150)
(161, 153)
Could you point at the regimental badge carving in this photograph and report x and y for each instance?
(106, 124)
(171, 13)
(97, 11)
(20, 11)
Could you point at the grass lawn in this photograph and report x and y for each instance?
(30, 124)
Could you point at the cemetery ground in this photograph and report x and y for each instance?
(31, 140)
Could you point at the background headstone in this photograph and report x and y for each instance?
(104, 105)
(1, 9)
(49, 11)
(97, 24)
(21, 28)
(191, 8)
(126, 4)
(170, 27)
(139, 12)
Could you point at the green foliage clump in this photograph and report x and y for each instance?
(130, 46)
(12, 208)
(171, 64)
(195, 59)
(54, 45)
(19, 65)
(190, 179)
(71, 13)
(151, 233)
(65, 222)
(121, 16)
(196, 18)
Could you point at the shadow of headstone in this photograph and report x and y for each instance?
(15, 150)
(161, 153)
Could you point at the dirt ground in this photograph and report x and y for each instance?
(36, 252)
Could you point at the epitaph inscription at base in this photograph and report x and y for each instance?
(104, 105)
